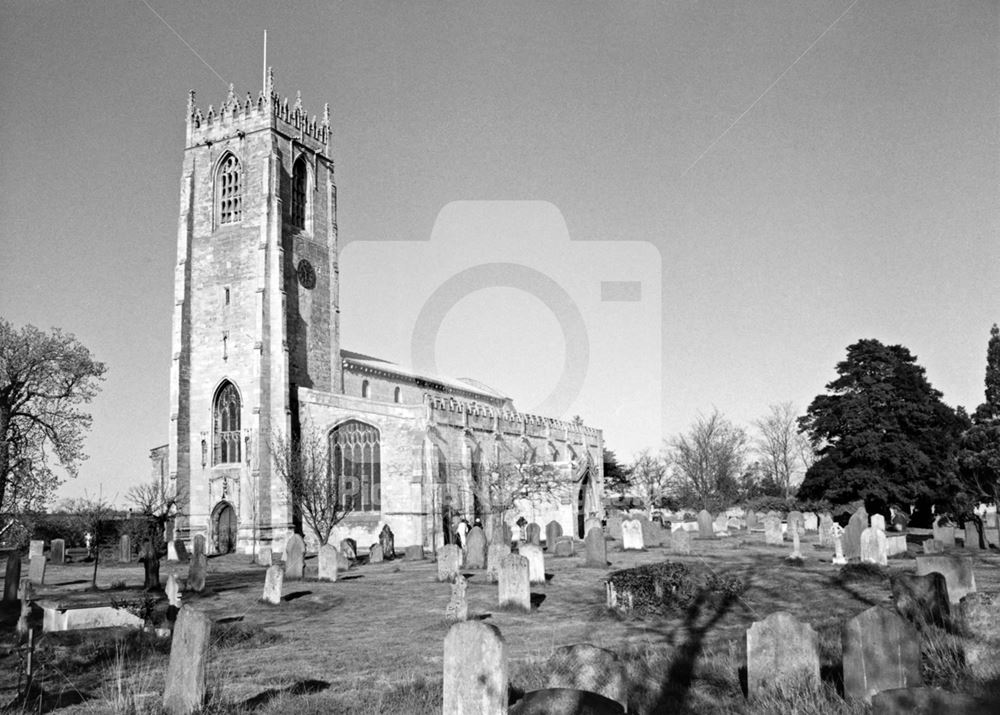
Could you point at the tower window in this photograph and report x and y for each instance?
(396, 395)
(300, 194)
(226, 425)
(366, 389)
(355, 464)
(226, 292)
(230, 191)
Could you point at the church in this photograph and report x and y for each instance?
(257, 357)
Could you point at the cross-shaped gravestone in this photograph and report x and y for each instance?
(837, 533)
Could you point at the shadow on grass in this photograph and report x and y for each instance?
(38, 700)
(296, 594)
(536, 600)
(351, 577)
(303, 687)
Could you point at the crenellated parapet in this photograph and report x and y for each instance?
(477, 416)
(267, 110)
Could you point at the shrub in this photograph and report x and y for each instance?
(856, 571)
(668, 586)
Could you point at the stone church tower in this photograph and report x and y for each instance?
(255, 309)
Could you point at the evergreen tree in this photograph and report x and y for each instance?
(615, 475)
(979, 457)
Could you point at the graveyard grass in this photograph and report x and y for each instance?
(373, 642)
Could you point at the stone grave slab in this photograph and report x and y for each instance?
(375, 554)
(513, 583)
(56, 619)
(475, 670)
(632, 535)
(36, 570)
(881, 651)
(458, 607)
(706, 528)
(874, 547)
(57, 552)
(979, 614)
(781, 652)
(184, 692)
(565, 546)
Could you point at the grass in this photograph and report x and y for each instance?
(373, 644)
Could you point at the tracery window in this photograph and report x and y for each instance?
(226, 425)
(355, 463)
(300, 185)
(229, 189)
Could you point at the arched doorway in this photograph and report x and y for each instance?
(224, 528)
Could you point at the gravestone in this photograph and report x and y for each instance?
(375, 554)
(182, 551)
(533, 534)
(957, 572)
(979, 614)
(795, 517)
(781, 652)
(173, 591)
(881, 652)
(810, 521)
(274, 581)
(877, 521)
(513, 582)
(265, 557)
(971, 537)
(565, 546)
(349, 548)
(592, 523)
(852, 534)
(536, 562)
(199, 564)
(295, 552)
(125, 549)
(595, 549)
(680, 542)
(795, 527)
(734, 524)
(928, 701)
(343, 563)
(586, 667)
(184, 692)
(721, 523)
(772, 531)
(475, 670)
(553, 530)
(502, 534)
(494, 554)
(172, 552)
(388, 542)
(895, 544)
(458, 607)
(631, 535)
(825, 524)
(706, 530)
(328, 566)
(837, 534)
(874, 549)
(36, 547)
(414, 553)
(565, 701)
(945, 533)
(36, 570)
(933, 546)
(475, 549)
(57, 552)
(12, 576)
(751, 520)
(449, 562)
(615, 526)
(921, 599)
(900, 521)
(151, 566)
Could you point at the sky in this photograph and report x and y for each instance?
(643, 211)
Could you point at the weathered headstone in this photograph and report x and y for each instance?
(632, 535)
(57, 552)
(36, 570)
(388, 542)
(125, 549)
(781, 652)
(182, 551)
(772, 531)
(184, 692)
(172, 556)
(895, 544)
(706, 530)
(173, 591)
(295, 554)
(151, 566)
(721, 523)
(586, 667)
(458, 607)
(874, 549)
(945, 533)
(494, 554)
(565, 546)
(881, 652)
(343, 563)
(449, 562)
(592, 522)
(414, 553)
(615, 526)
(274, 581)
(795, 517)
(199, 564)
(328, 566)
(734, 524)
(751, 520)
(796, 529)
(979, 614)
(265, 557)
(596, 549)
(502, 534)
(852, 534)
(933, 546)
(375, 554)
(825, 524)
(475, 670)
(349, 548)
(514, 583)
(536, 562)
(680, 542)
(971, 537)
(36, 547)
(553, 530)
(877, 521)
(810, 521)
(957, 572)
(921, 599)
(475, 549)
(12, 576)
(533, 534)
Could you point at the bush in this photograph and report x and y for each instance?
(668, 586)
(862, 572)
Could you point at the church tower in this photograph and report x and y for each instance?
(255, 310)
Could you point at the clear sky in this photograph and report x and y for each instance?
(778, 181)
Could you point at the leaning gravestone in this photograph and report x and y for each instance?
(151, 566)
(586, 667)
(536, 562)
(184, 692)
(57, 552)
(125, 549)
(295, 552)
(852, 534)
(631, 535)
(349, 548)
(881, 652)
(458, 607)
(706, 530)
(12, 576)
(533, 533)
(36, 570)
(198, 565)
(475, 549)
(328, 566)
(945, 533)
(36, 547)
(565, 546)
(375, 554)
(971, 537)
(825, 525)
(810, 521)
(274, 580)
(933, 546)
(387, 542)
(596, 549)
(553, 530)
(957, 572)
(680, 542)
(921, 599)
(513, 583)
(781, 652)
(979, 614)
(772, 531)
(494, 554)
(874, 547)
(449, 562)
(615, 526)
(475, 670)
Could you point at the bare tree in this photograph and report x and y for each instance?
(158, 505)
(710, 458)
(780, 446)
(92, 515)
(503, 483)
(650, 475)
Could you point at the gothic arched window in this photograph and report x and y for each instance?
(300, 192)
(355, 464)
(229, 190)
(226, 425)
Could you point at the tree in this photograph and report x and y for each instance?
(91, 515)
(45, 378)
(783, 450)
(502, 483)
(882, 433)
(650, 475)
(616, 477)
(154, 501)
(979, 450)
(710, 459)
